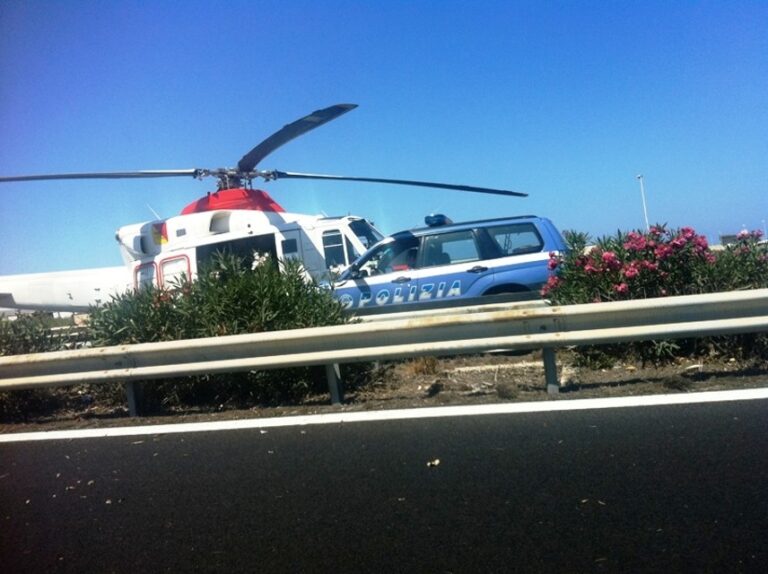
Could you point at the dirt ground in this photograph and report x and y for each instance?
(427, 382)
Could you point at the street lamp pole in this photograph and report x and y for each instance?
(642, 195)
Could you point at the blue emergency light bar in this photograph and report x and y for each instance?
(437, 219)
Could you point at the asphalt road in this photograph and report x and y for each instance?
(649, 489)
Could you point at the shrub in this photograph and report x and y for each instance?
(742, 265)
(229, 297)
(630, 266)
(28, 334)
(659, 263)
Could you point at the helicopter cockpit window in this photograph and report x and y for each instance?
(366, 233)
(333, 246)
(396, 255)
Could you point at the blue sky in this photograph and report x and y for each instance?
(566, 101)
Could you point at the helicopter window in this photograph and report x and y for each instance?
(334, 248)
(367, 234)
(220, 222)
(290, 248)
(245, 248)
(173, 270)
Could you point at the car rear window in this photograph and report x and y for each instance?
(450, 248)
(516, 238)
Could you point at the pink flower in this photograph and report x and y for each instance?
(621, 288)
(635, 242)
(700, 244)
(631, 271)
(663, 251)
(678, 242)
(611, 261)
(743, 234)
(552, 283)
(687, 233)
(552, 264)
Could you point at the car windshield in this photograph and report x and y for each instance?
(392, 254)
(366, 233)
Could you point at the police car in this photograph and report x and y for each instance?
(447, 260)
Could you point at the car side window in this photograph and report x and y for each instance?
(449, 248)
(397, 255)
(516, 238)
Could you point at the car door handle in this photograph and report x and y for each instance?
(402, 279)
(477, 269)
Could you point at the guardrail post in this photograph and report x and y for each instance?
(133, 394)
(333, 373)
(550, 371)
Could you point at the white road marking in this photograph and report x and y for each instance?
(399, 414)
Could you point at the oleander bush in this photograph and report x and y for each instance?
(29, 334)
(659, 263)
(229, 297)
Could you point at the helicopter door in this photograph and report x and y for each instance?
(290, 246)
(145, 274)
(174, 269)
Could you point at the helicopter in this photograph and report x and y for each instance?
(236, 217)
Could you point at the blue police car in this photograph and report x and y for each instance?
(448, 260)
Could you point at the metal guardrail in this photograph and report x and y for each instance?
(514, 326)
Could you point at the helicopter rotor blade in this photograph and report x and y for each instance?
(106, 175)
(301, 126)
(292, 175)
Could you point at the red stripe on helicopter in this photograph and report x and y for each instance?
(253, 199)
